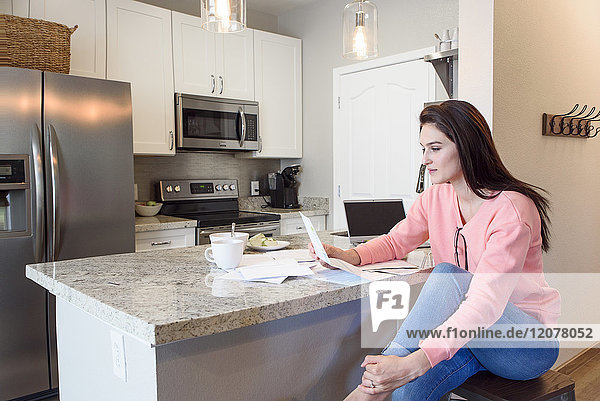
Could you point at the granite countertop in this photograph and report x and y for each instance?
(163, 296)
(160, 222)
(292, 213)
(309, 206)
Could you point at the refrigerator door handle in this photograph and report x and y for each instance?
(38, 171)
(54, 221)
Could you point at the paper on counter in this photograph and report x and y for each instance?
(338, 276)
(314, 238)
(368, 275)
(301, 255)
(274, 268)
(390, 264)
(236, 275)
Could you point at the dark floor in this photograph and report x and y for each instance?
(585, 370)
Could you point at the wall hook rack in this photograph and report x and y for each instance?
(574, 124)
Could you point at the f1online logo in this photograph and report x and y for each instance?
(388, 301)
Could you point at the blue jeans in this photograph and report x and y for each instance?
(440, 297)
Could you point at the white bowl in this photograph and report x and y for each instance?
(147, 211)
(238, 235)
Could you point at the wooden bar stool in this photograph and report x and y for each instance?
(485, 386)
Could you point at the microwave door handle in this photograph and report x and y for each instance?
(38, 170)
(243, 124)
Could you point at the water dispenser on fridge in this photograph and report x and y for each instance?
(15, 192)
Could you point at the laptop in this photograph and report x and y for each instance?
(371, 218)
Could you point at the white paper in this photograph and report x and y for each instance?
(275, 268)
(338, 276)
(390, 264)
(314, 238)
(301, 255)
(248, 260)
(236, 275)
(397, 272)
(371, 276)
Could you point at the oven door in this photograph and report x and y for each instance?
(211, 124)
(269, 229)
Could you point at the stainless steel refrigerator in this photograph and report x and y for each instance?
(66, 191)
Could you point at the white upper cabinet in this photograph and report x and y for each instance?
(139, 51)
(19, 8)
(88, 42)
(278, 80)
(212, 64)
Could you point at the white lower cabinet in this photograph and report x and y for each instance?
(139, 51)
(165, 239)
(296, 226)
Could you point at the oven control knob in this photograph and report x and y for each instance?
(177, 188)
(169, 189)
(225, 187)
(218, 187)
(232, 187)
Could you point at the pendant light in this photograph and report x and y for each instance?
(360, 30)
(223, 16)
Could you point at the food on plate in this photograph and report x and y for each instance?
(261, 240)
(150, 203)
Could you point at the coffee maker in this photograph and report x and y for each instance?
(283, 188)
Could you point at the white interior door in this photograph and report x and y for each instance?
(376, 133)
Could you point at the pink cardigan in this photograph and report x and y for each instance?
(502, 237)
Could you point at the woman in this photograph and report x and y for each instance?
(483, 225)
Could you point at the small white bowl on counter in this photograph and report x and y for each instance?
(147, 211)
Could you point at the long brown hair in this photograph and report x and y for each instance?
(482, 167)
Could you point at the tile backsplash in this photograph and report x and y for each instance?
(149, 170)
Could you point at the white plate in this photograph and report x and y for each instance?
(280, 245)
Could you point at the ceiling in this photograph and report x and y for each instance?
(276, 7)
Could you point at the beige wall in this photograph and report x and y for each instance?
(546, 60)
(404, 25)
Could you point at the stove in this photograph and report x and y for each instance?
(214, 206)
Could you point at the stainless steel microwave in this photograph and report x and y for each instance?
(206, 123)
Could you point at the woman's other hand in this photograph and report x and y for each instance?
(350, 256)
(388, 372)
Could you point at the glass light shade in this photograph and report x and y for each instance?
(224, 16)
(359, 29)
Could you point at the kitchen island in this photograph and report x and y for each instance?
(149, 326)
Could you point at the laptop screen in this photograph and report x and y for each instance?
(370, 218)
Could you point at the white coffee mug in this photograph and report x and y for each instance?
(238, 235)
(226, 253)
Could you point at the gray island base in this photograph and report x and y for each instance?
(149, 326)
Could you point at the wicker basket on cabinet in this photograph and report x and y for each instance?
(35, 44)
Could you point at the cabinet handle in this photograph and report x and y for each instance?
(160, 243)
(172, 137)
(222, 84)
(212, 80)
